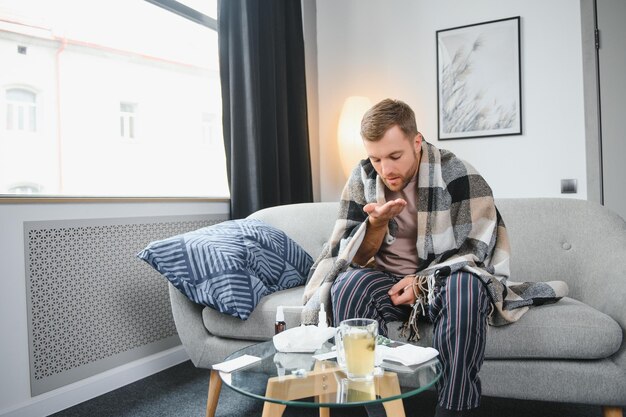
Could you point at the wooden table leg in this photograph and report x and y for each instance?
(215, 386)
(389, 388)
(394, 408)
(329, 385)
(612, 412)
(318, 383)
(274, 390)
(271, 409)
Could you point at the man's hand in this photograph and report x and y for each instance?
(380, 214)
(402, 291)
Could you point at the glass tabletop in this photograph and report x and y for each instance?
(298, 379)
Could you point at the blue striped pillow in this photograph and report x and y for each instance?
(231, 265)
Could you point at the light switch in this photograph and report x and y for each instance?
(569, 186)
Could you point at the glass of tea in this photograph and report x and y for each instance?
(358, 337)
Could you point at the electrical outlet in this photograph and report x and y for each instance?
(569, 186)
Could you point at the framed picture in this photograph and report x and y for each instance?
(479, 87)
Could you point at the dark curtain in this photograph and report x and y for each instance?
(261, 49)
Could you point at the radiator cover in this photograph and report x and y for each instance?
(92, 304)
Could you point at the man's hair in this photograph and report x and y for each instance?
(385, 115)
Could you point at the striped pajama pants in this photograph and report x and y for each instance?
(458, 312)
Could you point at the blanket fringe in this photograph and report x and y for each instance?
(423, 288)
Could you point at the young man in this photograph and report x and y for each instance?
(418, 233)
(417, 227)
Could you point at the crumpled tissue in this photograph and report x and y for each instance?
(302, 339)
(407, 354)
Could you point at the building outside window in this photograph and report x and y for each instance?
(82, 68)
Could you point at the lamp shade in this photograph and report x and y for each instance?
(351, 148)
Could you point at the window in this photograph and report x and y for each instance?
(144, 71)
(21, 110)
(127, 120)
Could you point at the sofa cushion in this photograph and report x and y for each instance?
(260, 324)
(230, 266)
(568, 329)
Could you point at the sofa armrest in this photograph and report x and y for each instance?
(601, 266)
(605, 288)
(188, 319)
(577, 241)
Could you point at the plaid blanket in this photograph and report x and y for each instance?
(458, 228)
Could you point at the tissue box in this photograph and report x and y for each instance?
(302, 339)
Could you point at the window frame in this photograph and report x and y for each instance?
(186, 12)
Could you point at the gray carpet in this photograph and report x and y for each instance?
(182, 391)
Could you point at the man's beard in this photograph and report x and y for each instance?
(406, 178)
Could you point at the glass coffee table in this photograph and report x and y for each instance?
(298, 379)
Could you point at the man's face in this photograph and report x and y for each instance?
(395, 157)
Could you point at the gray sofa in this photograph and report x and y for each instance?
(572, 351)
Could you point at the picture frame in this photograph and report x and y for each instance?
(479, 84)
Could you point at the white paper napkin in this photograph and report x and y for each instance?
(237, 363)
(302, 338)
(406, 354)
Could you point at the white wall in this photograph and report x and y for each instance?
(386, 48)
(15, 398)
